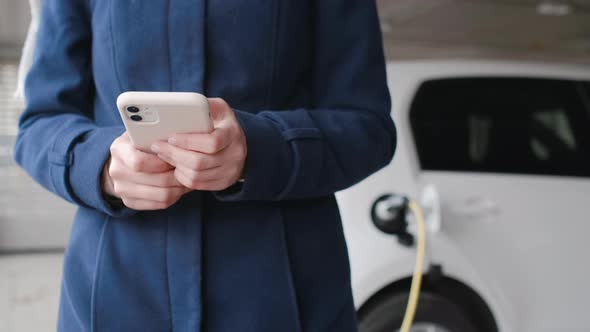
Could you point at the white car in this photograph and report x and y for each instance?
(498, 154)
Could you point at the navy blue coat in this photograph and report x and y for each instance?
(307, 82)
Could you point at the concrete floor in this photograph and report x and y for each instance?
(29, 292)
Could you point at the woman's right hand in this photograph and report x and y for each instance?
(141, 180)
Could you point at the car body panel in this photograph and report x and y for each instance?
(529, 272)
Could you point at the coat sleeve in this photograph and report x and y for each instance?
(58, 143)
(345, 136)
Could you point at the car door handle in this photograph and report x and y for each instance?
(476, 205)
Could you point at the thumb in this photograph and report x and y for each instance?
(219, 110)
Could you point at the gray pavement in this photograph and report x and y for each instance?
(29, 292)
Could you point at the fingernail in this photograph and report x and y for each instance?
(172, 140)
(155, 147)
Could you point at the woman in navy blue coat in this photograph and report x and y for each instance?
(309, 110)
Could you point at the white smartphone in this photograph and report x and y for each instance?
(154, 116)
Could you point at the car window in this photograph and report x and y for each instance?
(502, 125)
(584, 92)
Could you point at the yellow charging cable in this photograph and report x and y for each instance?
(418, 269)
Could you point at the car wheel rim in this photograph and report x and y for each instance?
(427, 327)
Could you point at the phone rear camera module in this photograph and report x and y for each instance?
(132, 109)
(136, 118)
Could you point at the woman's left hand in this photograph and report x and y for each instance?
(210, 162)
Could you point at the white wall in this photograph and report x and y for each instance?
(14, 21)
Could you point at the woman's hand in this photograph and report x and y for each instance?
(211, 161)
(141, 180)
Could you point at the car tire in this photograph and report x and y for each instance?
(434, 311)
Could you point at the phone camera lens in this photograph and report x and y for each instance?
(136, 118)
(132, 109)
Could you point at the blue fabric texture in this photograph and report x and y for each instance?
(307, 81)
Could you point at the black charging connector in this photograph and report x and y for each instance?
(388, 214)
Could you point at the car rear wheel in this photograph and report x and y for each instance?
(435, 313)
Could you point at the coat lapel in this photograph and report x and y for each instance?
(187, 38)
(167, 53)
